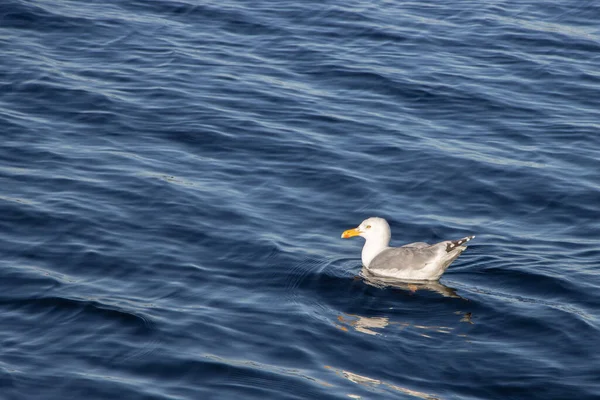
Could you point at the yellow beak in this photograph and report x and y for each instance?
(350, 233)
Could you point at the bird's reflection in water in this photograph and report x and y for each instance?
(378, 384)
(363, 324)
(467, 317)
(374, 325)
(382, 282)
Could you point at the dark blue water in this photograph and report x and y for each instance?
(175, 177)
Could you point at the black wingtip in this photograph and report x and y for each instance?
(456, 243)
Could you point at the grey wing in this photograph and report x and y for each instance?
(418, 245)
(406, 257)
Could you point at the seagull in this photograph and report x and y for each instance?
(415, 261)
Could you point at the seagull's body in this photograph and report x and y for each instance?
(414, 261)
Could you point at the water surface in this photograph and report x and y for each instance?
(176, 175)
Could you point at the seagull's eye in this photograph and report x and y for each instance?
(368, 226)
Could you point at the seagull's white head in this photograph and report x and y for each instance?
(371, 228)
(376, 232)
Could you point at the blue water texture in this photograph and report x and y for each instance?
(175, 176)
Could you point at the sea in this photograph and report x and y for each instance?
(175, 176)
